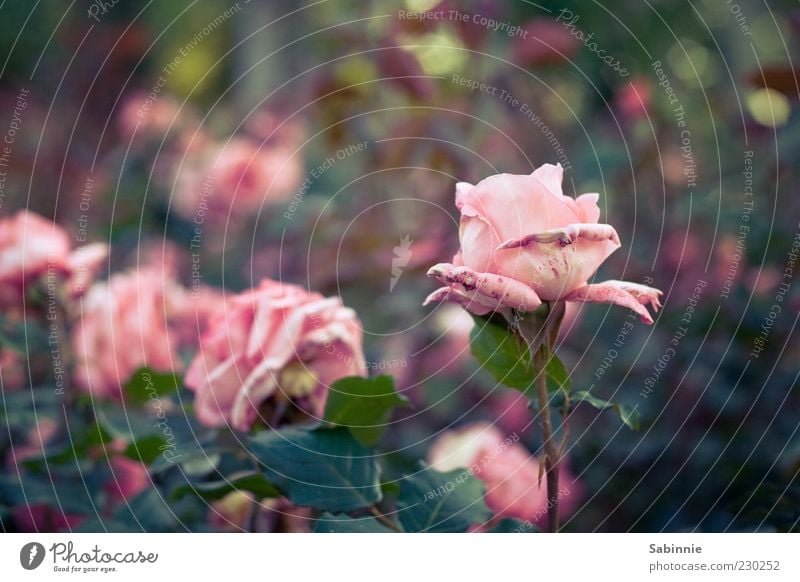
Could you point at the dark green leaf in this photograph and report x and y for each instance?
(504, 354)
(324, 469)
(363, 405)
(148, 511)
(431, 501)
(628, 415)
(148, 385)
(329, 523)
(251, 482)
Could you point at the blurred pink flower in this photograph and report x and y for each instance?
(511, 475)
(12, 370)
(237, 178)
(544, 42)
(124, 326)
(524, 242)
(32, 246)
(142, 115)
(633, 98)
(128, 479)
(277, 342)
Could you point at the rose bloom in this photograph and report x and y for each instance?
(124, 326)
(276, 342)
(32, 247)
(524, 242)
(511, 475)
(238, 177)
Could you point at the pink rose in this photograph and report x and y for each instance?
(276, 342)
(32, 246)
(238, 177)
(511, 475)
(128, 479)
(125, 325)
(523, 242)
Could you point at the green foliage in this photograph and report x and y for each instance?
(363, 405)
(323, 469)
(146, 384)
(250, 482)
(329, 523)
(431, 501)
(503, 353)
(628, 415)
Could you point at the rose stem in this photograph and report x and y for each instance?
(551, 452)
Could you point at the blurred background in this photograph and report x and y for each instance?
(136, 124)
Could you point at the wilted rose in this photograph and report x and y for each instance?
(32, 247)
(276, 342)
(125, 325)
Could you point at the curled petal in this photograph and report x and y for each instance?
(643, 294)
(455, 296)
(630, 295)
(566, 236)
(492, 291)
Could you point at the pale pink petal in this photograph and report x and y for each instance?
(551, 176)
(588, 210)
(491, 290)
(455, 296)
(618, 293)
(566, 235)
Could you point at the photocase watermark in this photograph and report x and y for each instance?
(510, 30)
(168, 447)
(739, 16)
(402, 254)
(529, 524)
(54, 333)
(20, 105)
(317, 172)
(196, 240)
(100, 8)
(473, 470)
(570, 20)
(672, 349)
(524, 109)
(744, 226)
(780, 295)
(687, 155)
(95, 560)
(31, 555)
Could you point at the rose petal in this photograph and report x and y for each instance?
(619, 293)
(490, 290)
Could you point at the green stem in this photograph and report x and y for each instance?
(552, 458)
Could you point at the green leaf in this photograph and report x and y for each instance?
(148, 385)
(629, 415)
(324, 469)
(431, 501)
(363, 405)
(148, 511)
(329, 523)
(251, 482)
(503, 353)
(557, 375)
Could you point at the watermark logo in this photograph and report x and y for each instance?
(402, 256)
(31, 555)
